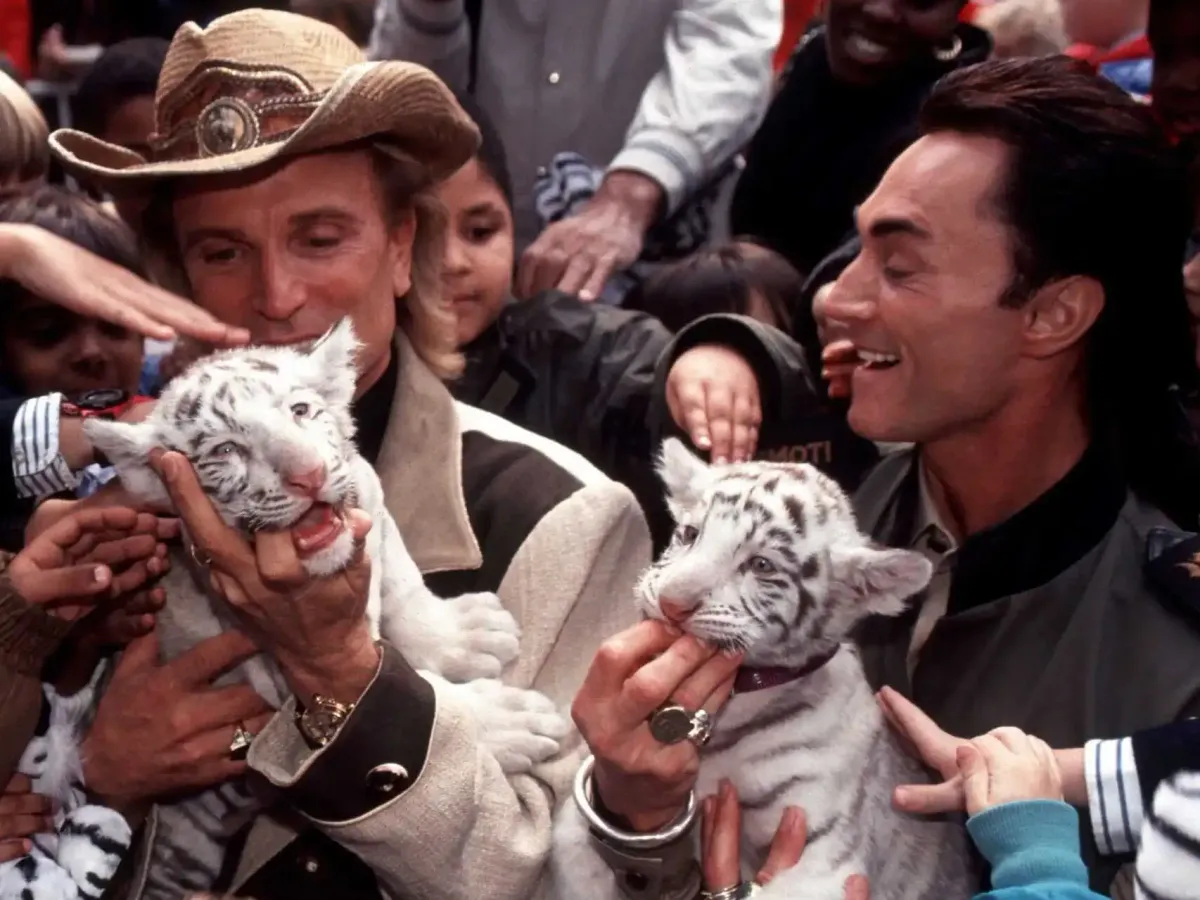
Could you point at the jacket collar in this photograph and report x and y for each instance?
(420, 467)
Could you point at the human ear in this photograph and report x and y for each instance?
(401, 236)
(1060, 314)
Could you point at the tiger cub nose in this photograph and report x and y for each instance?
(307, 483)
(676, 611)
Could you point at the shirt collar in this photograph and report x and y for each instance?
(931, 530)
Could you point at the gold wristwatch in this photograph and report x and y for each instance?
(321, 720)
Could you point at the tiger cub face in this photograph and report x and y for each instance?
(767, 559)
(269, 433)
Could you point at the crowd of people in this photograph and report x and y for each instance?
(944, 251)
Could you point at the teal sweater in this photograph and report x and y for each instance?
(1033, 846)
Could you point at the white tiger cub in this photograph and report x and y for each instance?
(767, 559)
(79, 859)
(270, 434)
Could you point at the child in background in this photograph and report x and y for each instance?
(740, 277)
(115, 100)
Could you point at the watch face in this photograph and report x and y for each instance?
(101, 399)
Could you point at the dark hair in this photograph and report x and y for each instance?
(720, 279)
(126, 70)
(491, 155)
(1093, 189)
(74, 217)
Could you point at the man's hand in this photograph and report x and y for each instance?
(87, 556)
(721, 846)
(1006, 765)
(314, 628)
(57, 270)
(712, 394)
(163, 728)
(634, 673)
(22, 815)
(578, 254)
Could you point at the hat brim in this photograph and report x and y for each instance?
(403, 105)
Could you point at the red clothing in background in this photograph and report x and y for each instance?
(796, 16)
(14, 34)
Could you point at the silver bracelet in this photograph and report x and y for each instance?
(629, 839)
(737, 892)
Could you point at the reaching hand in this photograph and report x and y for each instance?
(578, 254)
(712, 394)
(64, 273)
(1006, 765)
(932, 746)
(87, 556)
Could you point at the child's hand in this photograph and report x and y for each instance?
(88, 556)
(22, 814)
(1007, 765)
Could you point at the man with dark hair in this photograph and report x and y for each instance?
(1030, 353)
(115, 101)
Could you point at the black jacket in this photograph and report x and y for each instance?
(580, 374)
(824, 146)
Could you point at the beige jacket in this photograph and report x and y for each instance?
(461, 829)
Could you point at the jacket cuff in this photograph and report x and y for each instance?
(1030, 842)
(668, 157)
(1114, 798)
(431, 17)
(28, 634)
(378, 754)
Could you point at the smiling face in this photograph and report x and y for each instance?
(868, 39)
(768, 560)
(478, 263)
(922, 299)
(289, 253)
(269, 433)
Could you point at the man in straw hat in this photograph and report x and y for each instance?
(287, 186)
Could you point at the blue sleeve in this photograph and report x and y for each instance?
(1033, 847)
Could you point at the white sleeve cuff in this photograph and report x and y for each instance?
(670, 159)
(1114, 795)
(39, 470)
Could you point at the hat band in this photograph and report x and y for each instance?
(240, 110)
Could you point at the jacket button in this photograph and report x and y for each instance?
(310, 865)
(386, 778)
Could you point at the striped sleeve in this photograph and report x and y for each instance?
(1114, 796)
(39, 470)
(1168, 864)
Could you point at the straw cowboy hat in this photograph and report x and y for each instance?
(258, 85)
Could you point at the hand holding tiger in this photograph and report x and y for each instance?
(315, 627)
(721, 846)
(634, 673)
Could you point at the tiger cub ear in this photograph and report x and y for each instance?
(335, 357)
(879, 581)
(684, 475)
(127, 446)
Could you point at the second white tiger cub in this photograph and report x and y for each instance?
(767, 559)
